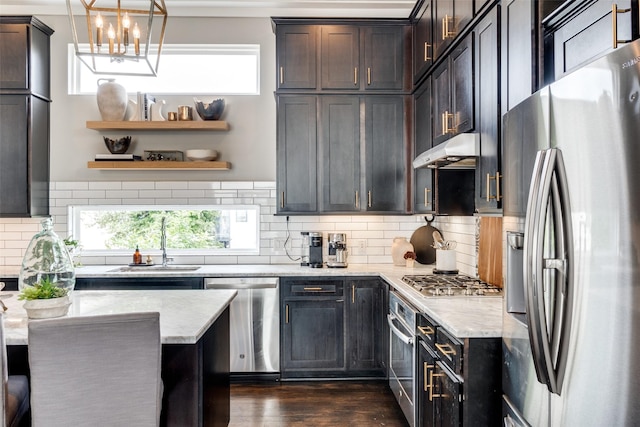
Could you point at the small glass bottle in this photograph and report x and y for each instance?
(137, 256)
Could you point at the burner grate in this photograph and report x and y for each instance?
(451, 285)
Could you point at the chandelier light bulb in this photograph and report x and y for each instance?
(136, 38)
(111, 34)
(125, 25)
(99, 24)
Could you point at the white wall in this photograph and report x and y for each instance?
(250, 145)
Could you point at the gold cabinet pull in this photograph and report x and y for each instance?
(353, 294)
(445, 349)
(282, 200)
(432, 386)
(446, 117)
(426, 367)
(614, 24)
(446, 32)
(427, 330)
(355, 76)
(313, 289)
(357, 199)
(281, 75)
(426, 52)
(497, 177)
(369, 198)
(369, 75)
(286, 313)
(426, 197)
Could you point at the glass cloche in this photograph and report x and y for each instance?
(47, 260)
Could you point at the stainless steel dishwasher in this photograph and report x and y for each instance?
(254, 323)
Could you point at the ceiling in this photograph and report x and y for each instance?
(240, 8)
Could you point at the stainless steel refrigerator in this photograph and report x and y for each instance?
(571, 341)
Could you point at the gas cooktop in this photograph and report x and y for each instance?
(451, 285)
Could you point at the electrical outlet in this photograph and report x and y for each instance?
(277, 246)
(358, 246)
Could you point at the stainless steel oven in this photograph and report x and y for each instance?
(402, 326)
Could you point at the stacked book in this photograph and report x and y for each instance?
(117, 157)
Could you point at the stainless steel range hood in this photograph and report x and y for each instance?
(459, 152)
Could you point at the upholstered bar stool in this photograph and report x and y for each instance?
(14, 393)
(96, 370)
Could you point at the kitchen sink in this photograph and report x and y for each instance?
(144, 267)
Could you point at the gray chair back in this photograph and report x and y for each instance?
(96, 370)
(14, 392)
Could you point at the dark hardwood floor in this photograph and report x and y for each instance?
(323, 404)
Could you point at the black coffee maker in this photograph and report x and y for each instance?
(315, 249)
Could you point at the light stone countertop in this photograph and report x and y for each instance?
(185, 315)
(464, 317)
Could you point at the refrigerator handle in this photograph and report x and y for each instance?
(549, 343)
(532, 247)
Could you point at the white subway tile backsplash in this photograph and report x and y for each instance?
(377, 231)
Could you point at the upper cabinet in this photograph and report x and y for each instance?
(24, 49)
(24, 116)
(423, 40)
(453, 93)
(339, 57)
(297, 50)
(451, 17)
(580, 31)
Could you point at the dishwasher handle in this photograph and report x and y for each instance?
(397, 332)
(241, 282)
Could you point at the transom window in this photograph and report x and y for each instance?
(190, 230)
(184, 69)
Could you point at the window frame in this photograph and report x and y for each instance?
(75, 67)
(74, 229)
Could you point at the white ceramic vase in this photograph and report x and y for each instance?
(112, 100)
(400, 247)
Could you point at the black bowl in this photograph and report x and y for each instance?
(117, 146)
(210, 111)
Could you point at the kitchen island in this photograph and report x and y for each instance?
(194, 329)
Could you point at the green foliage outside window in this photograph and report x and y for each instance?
(185, 229)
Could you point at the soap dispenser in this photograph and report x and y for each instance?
(137, 256)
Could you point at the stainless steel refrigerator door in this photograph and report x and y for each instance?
(595, 116)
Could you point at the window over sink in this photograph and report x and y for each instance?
(190, 230)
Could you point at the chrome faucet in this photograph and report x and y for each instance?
(163, 242)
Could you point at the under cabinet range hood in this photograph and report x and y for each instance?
(459, 152)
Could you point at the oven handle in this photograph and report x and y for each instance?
(397, 332)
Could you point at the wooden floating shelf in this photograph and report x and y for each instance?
(158, 165)
(164, 125)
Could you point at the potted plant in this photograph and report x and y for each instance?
(45, 300)
(409, 258)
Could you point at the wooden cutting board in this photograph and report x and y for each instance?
(490, 250)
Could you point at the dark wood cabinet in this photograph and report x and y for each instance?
(453, 92)
(425, 402)
(340, 57)
(384, 58)
(423, 49)
(10, 283)
(137, 283)
(24, 116)
(333, 327)
(367, 341)
(340, 148)
(312, 327)
(487, 111)
(580, 31)
(386, 173)
(451, 17)
(297, 181)
(423, 178)
(296, 51)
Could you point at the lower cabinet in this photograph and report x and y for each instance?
(10, 284)
(136, 283)
(458, 380)
(332, 328)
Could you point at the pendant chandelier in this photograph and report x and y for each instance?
(119, 36)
